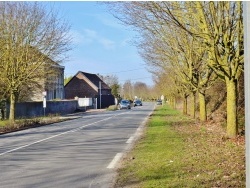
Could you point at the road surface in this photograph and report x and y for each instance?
(77, 153)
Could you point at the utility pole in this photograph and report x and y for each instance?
(246, 23)
(100, 90)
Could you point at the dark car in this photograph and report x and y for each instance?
(159, 102)
(137, 103)
(124, 104)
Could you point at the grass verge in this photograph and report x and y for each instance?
(112, 108)
(177, 152)
(20, 124)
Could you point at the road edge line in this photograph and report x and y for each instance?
(115, 160)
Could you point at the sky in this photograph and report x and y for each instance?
(101, 43)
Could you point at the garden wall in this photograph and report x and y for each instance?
(34, 109)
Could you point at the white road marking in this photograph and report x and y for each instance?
(130, 140)
(117, 157)
(48, 138)
(99, 115)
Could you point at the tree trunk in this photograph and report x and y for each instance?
(202, 104)
(174, 102)
(193, 105)
(12, 107)
(232, 127)
(171, 102)
(185, 105)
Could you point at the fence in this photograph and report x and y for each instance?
(82, 102)
(105, 101)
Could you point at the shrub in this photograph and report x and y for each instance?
(112, 107)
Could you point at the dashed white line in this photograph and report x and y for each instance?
(113, 163)
(130, 140)
(48, 138)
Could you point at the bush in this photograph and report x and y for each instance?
(112, 107)
(23, 123)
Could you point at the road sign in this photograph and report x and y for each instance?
(44, 102)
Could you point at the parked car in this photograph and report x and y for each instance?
(159, 102)
(124, 104)
(137, 103)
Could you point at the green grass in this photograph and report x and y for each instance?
(112, 108)
(175, 152)
(3, 123)
(23, 123)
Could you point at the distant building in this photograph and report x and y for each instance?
(87, 85)
(52, 83)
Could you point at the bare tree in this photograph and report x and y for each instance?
(110, 79)
(217, 25)
(128, 90)
(220, 26)
(113, 83)
(141, 90)
(176, 50)
(30, 38)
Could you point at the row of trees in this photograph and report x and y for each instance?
(31, 36)
(188, 46)
(129, 90)
(140, 90)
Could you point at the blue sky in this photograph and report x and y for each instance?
(101, 43)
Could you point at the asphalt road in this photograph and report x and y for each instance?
(83, 152)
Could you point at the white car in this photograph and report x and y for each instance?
(124, 104)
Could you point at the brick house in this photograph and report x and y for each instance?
(87, 85)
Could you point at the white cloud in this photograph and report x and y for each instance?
(90, 33)
(93, 36)
(77, 37)
(107, 44)
(88, 36)
(111, 22)
(126, 42)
